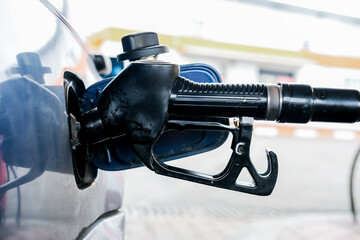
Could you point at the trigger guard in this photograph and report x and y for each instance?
(226, 179)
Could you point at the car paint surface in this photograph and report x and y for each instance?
(36, 50)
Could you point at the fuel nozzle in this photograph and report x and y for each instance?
(141, 45)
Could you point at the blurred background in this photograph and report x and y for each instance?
(311, 42)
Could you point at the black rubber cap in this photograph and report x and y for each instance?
(138, 45)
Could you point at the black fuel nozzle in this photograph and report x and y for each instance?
(149, 97)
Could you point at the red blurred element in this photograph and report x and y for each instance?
(2, 181)
(285, 79)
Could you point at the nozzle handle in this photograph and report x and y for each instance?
(293, 103)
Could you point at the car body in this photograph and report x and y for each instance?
(39, 196)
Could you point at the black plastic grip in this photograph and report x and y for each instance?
(301, 104)
(336, 105)
(218, 100)
(292, 103)
(296, 103)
